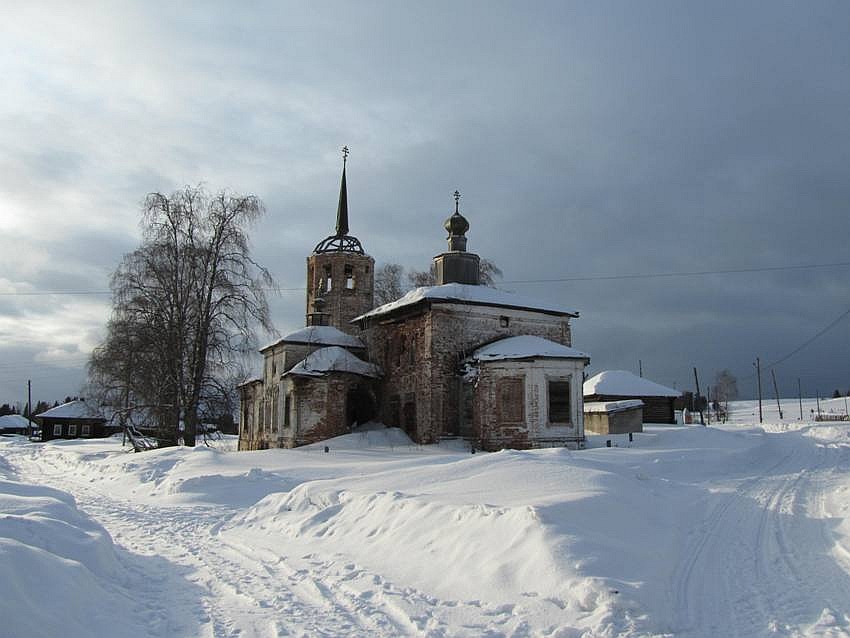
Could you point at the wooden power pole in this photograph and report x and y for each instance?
(800, 395)
(776, 392)
(758, 375)
(699, 403)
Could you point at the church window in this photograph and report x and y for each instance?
(349, 277)
(510, 393)
(559, 401)
(328, 278)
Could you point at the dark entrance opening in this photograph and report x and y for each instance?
(359, 406)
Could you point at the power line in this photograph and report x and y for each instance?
(614, 277)
(808, 341)
(690, 273)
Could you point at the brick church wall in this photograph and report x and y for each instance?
(420, 357)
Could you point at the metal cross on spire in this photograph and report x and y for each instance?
(344, 154)
(457, 200)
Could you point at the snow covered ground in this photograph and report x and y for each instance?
(733, 530)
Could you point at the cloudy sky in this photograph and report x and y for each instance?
(592, 142)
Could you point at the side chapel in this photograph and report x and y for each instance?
(456, 359)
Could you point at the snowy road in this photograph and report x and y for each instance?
(744, 533)
(762, 557)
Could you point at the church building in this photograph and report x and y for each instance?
(456, 359)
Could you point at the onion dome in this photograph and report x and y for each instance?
(457, 225)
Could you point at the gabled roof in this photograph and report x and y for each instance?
(466, 294)
(76, 409)
(620, 383)
(319, 336)
(333, 359)
(526, 347)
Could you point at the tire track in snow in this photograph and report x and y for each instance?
(772, 579)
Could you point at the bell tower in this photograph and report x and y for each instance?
(340, 275)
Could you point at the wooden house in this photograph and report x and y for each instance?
(72, 420)
(620, 385)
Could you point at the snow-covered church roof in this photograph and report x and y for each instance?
(621, 383)
(76, 409)
(319, 336)
(467, 294)
(333, 359)
(526, 347)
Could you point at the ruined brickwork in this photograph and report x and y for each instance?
(344, 282)
(513, 407)
(421, 354)
(252, 434)
(319, 408)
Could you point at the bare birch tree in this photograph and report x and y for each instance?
(185, 304)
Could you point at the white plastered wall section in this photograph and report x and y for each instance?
(536, 374)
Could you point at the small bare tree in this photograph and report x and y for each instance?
(388, 283)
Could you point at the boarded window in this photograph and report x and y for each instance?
(511, 399)
(559, 402)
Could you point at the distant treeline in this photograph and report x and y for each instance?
(40, 406)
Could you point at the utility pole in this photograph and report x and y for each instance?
(800, 394)
(818, 399)
(640, 368)
(29, 404)
(699, 403)
(757, 364)
(776, 392)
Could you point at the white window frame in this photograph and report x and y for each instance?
(85, 430)
(72, 429)
(57, 429)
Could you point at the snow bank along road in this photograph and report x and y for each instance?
(690, 532)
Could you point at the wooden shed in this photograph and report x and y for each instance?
(613, 417)
(620, 385)
(72, 420)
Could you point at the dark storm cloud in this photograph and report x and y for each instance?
(586, 139)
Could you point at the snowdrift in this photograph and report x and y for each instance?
(59, 569)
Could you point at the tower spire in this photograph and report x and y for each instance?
(342, 208)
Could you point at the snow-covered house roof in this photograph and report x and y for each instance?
(609, 407)
(466, 294)
(319, 336)
(76, 409)
(333, 359)
(526, 347)
(13, 422)
(621, 383)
